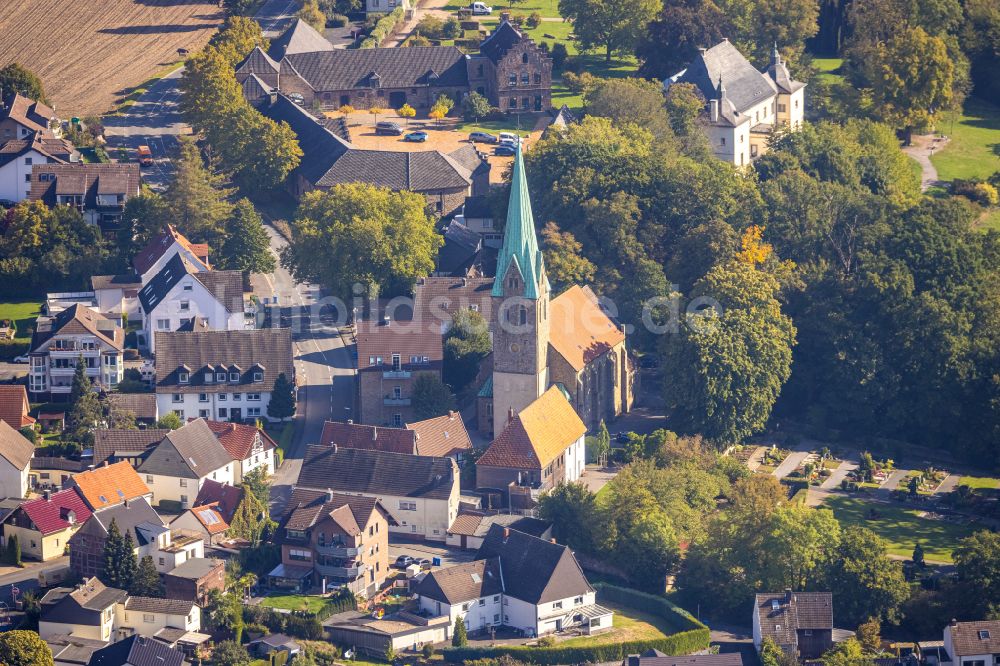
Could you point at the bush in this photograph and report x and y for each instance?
(452, 28)
(428, 650)
(546, 641)
(304, 627)
(431, 26)
(534, 20)
(9, 349)
(496, 113)
(337, 21)
(131, 354)
(976, 190)
(579, 84)
(29, 434)
(692, 636)
(384, 28)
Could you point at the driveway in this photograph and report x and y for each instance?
(892, 481)
(838, 475)
(422, 549)
(596, 477)
(789, 464)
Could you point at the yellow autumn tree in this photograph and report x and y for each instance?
(755, 251)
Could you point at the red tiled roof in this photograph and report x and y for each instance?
(537, 435)
(110, 485)
(150, 254)
(210, 516)
(52, 515)
(238, 438)
(408, 339)
(368, 437)
(579, 330)
(441, 436)
(14, 406)
(221, 495)
(27, 112)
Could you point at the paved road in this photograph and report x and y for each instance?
(324, 372)
(892, 481)
(155, 120)
(790, 463)
(838, 475)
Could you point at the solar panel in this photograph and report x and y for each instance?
(209, 517)
(476, 578)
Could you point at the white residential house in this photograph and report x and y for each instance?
(175, 469)
(86, 611)
(17, 156)
(249, 446)
(221, 375)
(98, 191)
(60, 341)
(146, 616)
(744, 105)
(420, 492)
(517, 581)
(973, 643)
(21, 116)
(15, 461)
(385, 6)
(180, 297)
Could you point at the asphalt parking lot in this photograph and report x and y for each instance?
(420, 550)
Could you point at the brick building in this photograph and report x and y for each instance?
(510, 70)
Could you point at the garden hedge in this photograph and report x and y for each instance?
(691, 636)
(385, 27)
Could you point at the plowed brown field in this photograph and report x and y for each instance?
(90, 53)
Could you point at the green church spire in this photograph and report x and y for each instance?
(520, 247)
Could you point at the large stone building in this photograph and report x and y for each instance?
(510, 70)
(744, 105)
(569, 342)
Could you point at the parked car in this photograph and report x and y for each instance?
(425, 564)
(509, 137)
(297, 98)
(480, 9)
(20, 359)
(387, 127)
(504, 150)
(416, 137)
(403, 561)
(145, 156)
(482, 137)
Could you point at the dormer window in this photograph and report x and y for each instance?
(183, 377)
(209, 376)
(234, 376)
(258, 376)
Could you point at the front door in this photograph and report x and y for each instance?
(235, 414)
(397, 99)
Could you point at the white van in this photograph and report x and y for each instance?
(480, 9)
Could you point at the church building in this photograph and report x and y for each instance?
(568, 341)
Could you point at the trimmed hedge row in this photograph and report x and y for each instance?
(385, 27)
(691, 636)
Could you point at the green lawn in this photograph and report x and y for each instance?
(22, 313)
(293, 602)
(974, 149)
(902, 528)
(827, 68)
(543, 7)
(618, 68)
(979, 482)
(629, 625)
(989, 220)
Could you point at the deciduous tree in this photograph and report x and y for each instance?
(237, 37)
(197, 197)
(632, 100)
(564, 260)
(475, 106)
(311, 14)
(682, 27)
(431, 397)
(24, 648)
(16, 78)
(614, 25)
(363, 234)
(466, 344)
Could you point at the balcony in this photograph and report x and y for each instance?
(337, 550)
(396, 402)
(396, 374)
(345, 573)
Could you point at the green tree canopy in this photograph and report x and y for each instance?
(282, 404)
(119, 561)
(197, 197)
(632, 100)
(16, 78)
(466, 344)
(732, 362)
(430, 397)
(247, 247)
(24, 648)
(363, 234)
(237, 37)
(146, 582)
(613, 25)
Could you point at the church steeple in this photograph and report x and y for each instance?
(520, 246)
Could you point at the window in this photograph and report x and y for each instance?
(407, 506)
(781, 108)
(578, 601)
(234, 376)
(397, 392)
(162, 562)
(163, 324)
(253, 396)
(984, 634)
(722, 141)
(465, 606)
(209, 376)
(188, 287)
(525, 79)
(237, 396)
(753, 150)
(202, 397)
(179, 413)
(253, 411)
(496, 598)
(396, 363)
(27, 161)
(496, 618)
(301, 555)
(27, 177)
(185, 306)
(184, 483)
(203, 413)
(512, 103)
(149, 478)
(397, 420)
(223, 413)
(538, 78)
(220, 376)
(183, 377)
(524, 58)
(512, 81)
(482, 602)
(258, 376)
(177, 397)
(223, 396)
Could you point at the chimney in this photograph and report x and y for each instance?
(329, 494)
(510, 414)
(105, 462)
(46, 496)
(273, 96)
(713, 110)
(451, 415)
(506, 534)
(374, 433)
(350, 421)
(701, 50)
(465, 282)
(552, 540)
(788, 595)
(954, 622)
(505, 17)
